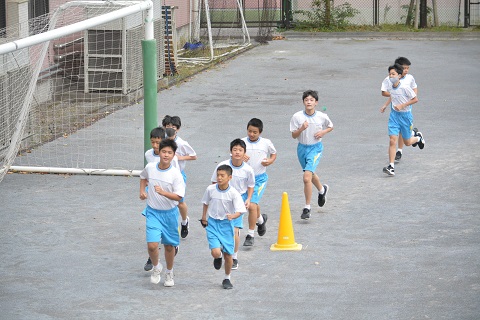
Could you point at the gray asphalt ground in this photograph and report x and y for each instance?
(403, 247)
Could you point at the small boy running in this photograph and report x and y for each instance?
(223, 204)
(166, 188)
(408, 80)
(184, 153)
(260, 154)
(402, 97)
(309, 127)
(243, 180)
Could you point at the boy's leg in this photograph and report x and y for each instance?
(157, 266)
(228, 263)
(235, 250)
(392, 148)
(169, 255)
(398, 154)
(182, 207)
(307, 186)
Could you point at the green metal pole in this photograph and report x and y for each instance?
(149, 49)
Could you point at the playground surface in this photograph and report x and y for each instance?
(403, 247)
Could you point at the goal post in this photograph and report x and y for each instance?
(42, 81)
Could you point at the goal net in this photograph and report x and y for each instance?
(73, 104)
(217, 29)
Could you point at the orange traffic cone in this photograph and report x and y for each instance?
(286, 238)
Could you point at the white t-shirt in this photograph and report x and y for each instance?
(221, 202)
(150, 156)
(408, 80)
(243, 177)
(171, 180)
(401, 94)
(257, 151)
(316, 122)
(183, 149)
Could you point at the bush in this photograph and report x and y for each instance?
(326, 16)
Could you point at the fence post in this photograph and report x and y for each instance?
(466, 15)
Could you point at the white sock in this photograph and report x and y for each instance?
(251, 233)
(392, 165)
(184, 222)
(227, 276)
(307, 206)
(321, 191)
(400, 150)
(168, 271)
(260, 220)
(157, 266)
(234, 255)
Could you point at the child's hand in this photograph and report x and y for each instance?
(319, 134)
(203, 222)
(382, 109)
(158, 190)
(246, 158)
(230, 216)
(143, 195)
(266, 162)
(247, 204)
(304, 125)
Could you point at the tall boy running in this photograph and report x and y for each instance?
(309, 127)
(166, 188)
(260, 154)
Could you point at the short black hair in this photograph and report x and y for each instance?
(397, 68)
(402, 61)
(226, 168)
(168, 143)
(312, 93)
(238, 142)
(157, 132)
(173, 120)
(257, 123)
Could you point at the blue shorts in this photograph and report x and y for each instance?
(260, 186)
(309, 155)
(162, 225)
(238, 222)
(220, 235)
(184, 180)
(400, 122)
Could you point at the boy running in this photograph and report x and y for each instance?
(408, 80)
(260, 154)
(309, 127)
(243, 180)
(223, 204)
(184, 153)
(402, 97)
(166, 188)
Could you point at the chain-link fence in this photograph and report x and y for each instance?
(379, 12)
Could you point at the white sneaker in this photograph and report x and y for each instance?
(168, 280)
(156, 274)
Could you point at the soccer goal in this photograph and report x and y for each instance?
(72, 102)
(218, 29)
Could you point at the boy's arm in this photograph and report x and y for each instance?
(296, 133)
(385, 93)
(143, 185)
(406, 104)
(204, 215)
(322, 133)
(268, 161)
(166, 194)
(187, 157)
(249, 196)
(382, 109)
(231, 216)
